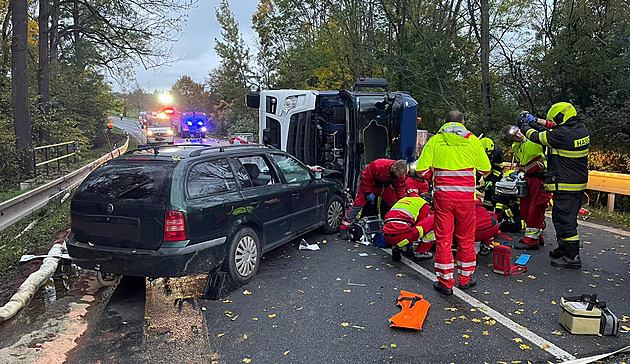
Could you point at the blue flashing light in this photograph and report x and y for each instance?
(200, 123)
(189, 123)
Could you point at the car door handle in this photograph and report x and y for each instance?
(295, 195)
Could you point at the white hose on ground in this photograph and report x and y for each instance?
(30, 286)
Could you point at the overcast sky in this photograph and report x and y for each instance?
(197, 45)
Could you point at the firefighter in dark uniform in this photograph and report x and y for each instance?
(567, 141)
(495, 155)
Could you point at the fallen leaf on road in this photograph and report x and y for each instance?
(368, 267)
(299, 308)
(625, 327)
(524, 347)
(517, 340)
(272, 315)
(255, 319)
(392, 345)
(390, 265)
(345, 324)
(545, 346)
(531, 276)
(587, 242)
(383, 347)
(490, 322)
(485, 333)
(358, 327)
(595, 275)
(246, 292)
(323, 242)
(450, 309)
(203, 309)
(234, 318)
(465, 336)
(557, 332)
(228, 313)
(246, 360)
(593, 285)
(221, 334)
(473, 310)
(227, 301)
(346, 290)
(476, 320)
(506, 292)
(338, 279)
(399, 275)
(553, 303)
(288, 351)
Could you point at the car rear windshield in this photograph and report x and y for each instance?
(142, 181)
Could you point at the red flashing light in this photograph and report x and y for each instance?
(174, 226)
(168, 110)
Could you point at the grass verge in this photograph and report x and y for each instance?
(54, 220)
(602, 214)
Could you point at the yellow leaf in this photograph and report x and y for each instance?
(399, 275)
(557, 332)
(473, 310)
(338, 279)
(390, 265)
(358, 327)
(393, 345)
(517, 340)
(227, 301)
(346, 290)
(246, 360)
(485, 333)
(368, 267)
(553, 303)
(246, 292)
(593, 285)
(531, 276)
(345, 324)
(545, 346)
(221, 334)
(524, 347)
(450, 309)
(272, 315)
(625, 327)
(288, 351)
(506, 292)
(465, 336)
(255, 319)
(476, 320)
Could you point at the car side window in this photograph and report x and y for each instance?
(210, 177)
(258, 171)
(292, 170)
(242, 177)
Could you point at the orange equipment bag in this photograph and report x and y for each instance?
(413, 311)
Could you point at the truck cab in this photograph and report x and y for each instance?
(339, 130)
(193, 124)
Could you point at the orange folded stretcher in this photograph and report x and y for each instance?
(414, 309)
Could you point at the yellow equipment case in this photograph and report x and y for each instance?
(585, 315)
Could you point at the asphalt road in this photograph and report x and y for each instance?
(132, 127)
(330, 306)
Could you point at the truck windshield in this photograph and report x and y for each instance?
(159, 122)
(370, 107)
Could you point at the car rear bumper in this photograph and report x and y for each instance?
(164, 262)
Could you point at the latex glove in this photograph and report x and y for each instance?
(371, 197)
(530, 118)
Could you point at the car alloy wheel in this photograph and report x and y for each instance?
(246, 256)
(335, 214)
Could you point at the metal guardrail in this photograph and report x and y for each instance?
(59, 157)
(17, 208)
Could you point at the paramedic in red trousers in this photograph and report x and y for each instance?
(531, 160)
(453, 158)
(567, 141)
(376, 178)
(407, 222)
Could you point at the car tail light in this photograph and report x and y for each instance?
(174, 226)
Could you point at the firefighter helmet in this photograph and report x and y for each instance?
(488, 144)
(561, 112)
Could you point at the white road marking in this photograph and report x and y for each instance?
(604, 228)
(518, 329)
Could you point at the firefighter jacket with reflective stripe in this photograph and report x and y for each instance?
(567, 156)
(415, 186)
(496, 158)
(376, 176)
(409, 210)
(529, 155)
(455, 155)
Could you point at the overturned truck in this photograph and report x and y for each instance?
(339, 130)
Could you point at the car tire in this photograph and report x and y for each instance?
(243, 257)
(333, 215)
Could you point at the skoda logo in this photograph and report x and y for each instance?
(110, 208)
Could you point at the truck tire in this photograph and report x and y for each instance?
(333, 215)
(243, 256)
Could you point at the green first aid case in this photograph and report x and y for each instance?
(585, 315)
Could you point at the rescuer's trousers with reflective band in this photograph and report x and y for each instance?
(401, 233)
(566, 206)
(532, 209)
(457, 216)
(387, 194)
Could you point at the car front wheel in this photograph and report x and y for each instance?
(243, 257)
(334, 215)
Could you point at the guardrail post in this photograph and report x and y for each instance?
(611, 202)
(58, 161)
(68, 152)
(34, 163)
(46, 158)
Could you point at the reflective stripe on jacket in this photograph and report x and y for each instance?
(567, 158)
(407, 209)
(456, 156)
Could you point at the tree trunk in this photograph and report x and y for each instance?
(54, 32)
(485, 61)
(43, 72)
(19, 83)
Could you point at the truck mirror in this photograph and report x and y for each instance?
(360, 148)
(252, 99)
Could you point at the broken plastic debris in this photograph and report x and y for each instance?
(304, 245)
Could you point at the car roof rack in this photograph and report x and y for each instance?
(156, 148)
(222, 148)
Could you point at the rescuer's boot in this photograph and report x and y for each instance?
(520, 245)
(396, 256)
(559, 251)
(343, 234)
(565, 261)
(438, 287)
(484, 249)
(471, 283)
(417, 257)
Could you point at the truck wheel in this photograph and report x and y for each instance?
(243, 256)
(333, 216)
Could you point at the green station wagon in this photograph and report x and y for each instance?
(181, 210)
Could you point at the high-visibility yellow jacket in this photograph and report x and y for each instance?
(407, 209)
(452, 158)
(530, 156)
